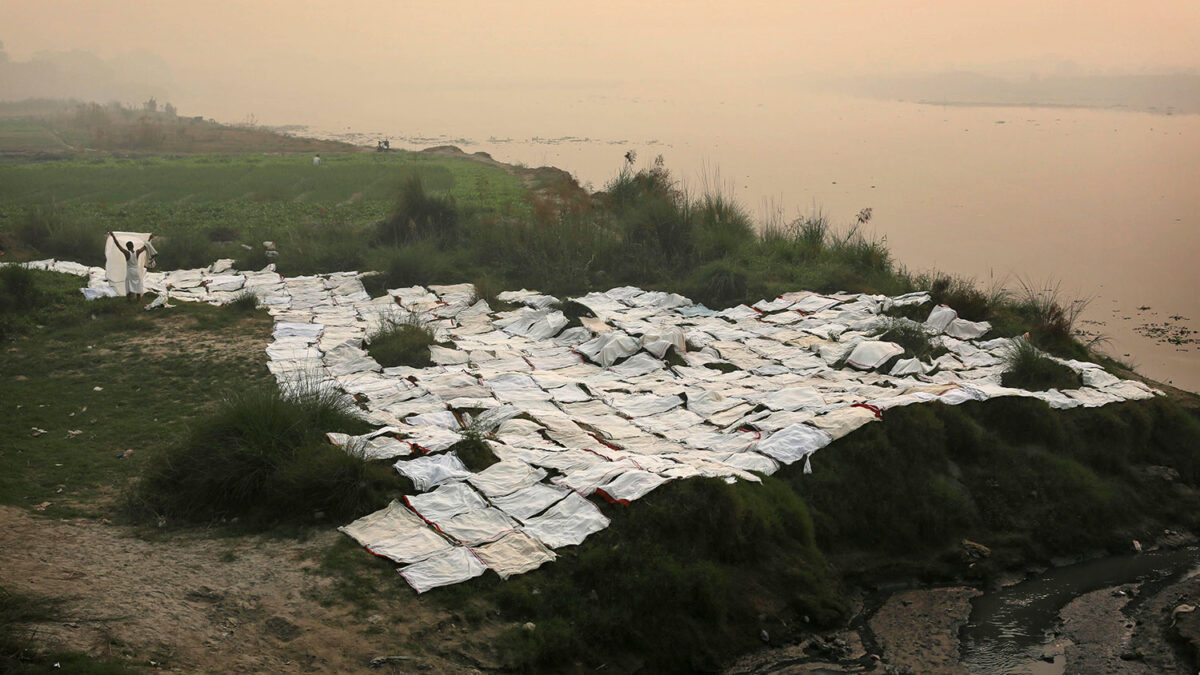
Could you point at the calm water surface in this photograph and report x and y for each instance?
(1104, 204)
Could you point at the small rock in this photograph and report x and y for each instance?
(529, 626)
(764, 636)
(281, 628)
(974, 550)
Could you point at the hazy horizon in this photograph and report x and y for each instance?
(305, 62)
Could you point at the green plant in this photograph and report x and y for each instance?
(261, 456)
(418, 215)
(1027, 367)
(913, 337)
(244, 303)
(1051, 317)
(403, 342)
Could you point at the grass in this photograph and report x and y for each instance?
(1026, 367)
(402, 343)
(262, 457)
(18, 653)
(126, 379)
(913, 338)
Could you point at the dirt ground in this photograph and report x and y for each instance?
(221, 604)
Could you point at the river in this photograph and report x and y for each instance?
(1102, 204)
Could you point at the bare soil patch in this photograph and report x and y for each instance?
(199, 603)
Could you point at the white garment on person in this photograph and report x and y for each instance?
(317, 160)
(115, 265)
(133, 272)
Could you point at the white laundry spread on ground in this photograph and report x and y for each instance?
(594, 403)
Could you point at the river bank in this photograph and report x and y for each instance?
(1138, 620)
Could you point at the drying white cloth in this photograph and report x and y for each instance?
(514, 553)
(425, 472)
(567, 523)
(452, 566)
(116, 267)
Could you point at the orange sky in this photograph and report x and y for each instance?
(556, 40)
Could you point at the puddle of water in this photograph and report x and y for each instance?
(1010, 629)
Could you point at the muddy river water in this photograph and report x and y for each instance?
(1103, 204)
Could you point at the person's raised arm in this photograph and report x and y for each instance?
(119, 247)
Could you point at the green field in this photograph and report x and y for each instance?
(206, 206)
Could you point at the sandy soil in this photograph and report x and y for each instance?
(919, 629)
(209, 604)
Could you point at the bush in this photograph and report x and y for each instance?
(1051, 318)
(914, 339)
(718, 284)
(722, 228)
(1026, 367)
(262, 456)
(418, 216)
(47, 230)
(401, 343)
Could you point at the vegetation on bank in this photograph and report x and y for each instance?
(262, 458)
(401, 343)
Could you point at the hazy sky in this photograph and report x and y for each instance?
(278, 44)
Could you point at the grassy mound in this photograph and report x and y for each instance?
(262, 457)
(402, 343)
(1028, 368)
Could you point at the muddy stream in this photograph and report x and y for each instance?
(1111, 614)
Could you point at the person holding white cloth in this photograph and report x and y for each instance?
(133, 268)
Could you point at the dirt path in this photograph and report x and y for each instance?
(199, 603)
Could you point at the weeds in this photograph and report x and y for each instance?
(262, 457)
(1051, 317)
(403, 342)
(419, 216)
(913, 337)
(1028, 368)
(245, 303)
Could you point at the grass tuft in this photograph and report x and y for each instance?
(262, 457)
(914, 338)
(1028, 368)
(402, 343)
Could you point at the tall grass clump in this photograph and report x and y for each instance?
(418, 215)
(402, 342)
(19, 296)
(1027, 367)
(913, 337)
(1051, 317)
(262, 457)
(46, 229)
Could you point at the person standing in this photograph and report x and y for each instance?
(133, 268)
(317, 160)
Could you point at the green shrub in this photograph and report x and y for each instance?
(418, 216)
(474, 452)
(720, 283)
(245, 303)
(1026, 367)
(48, 230)
(1051, 318)
(401, 343)
(722, 228)
(262, 456)
(913, 338)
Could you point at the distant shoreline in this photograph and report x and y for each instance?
(1115, 107)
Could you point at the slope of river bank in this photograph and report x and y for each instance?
(1129, 613)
